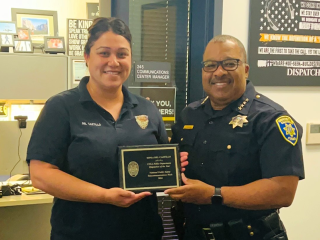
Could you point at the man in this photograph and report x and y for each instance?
(244, 153)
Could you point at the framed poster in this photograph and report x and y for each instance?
(41, 23)
(77, 32)
(284, 43)
(8, 28)
(79, 70)
(93, 10)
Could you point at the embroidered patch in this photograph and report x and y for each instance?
(288, 129)
(142, 121)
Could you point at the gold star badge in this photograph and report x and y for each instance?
(290, 130)
(238, 121)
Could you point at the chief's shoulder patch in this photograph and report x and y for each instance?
(288, 129)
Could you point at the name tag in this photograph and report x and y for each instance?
(188, 127)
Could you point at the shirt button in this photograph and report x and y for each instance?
(229, 147)
(210, 122)
(205, 142)
(201, 164)
(199, 209)
(181, 139)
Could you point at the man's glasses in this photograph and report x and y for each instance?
(228, 65)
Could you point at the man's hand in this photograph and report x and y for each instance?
(194, 191)
(183, 160)
(123, 198)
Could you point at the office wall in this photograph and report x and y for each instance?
(302, 217)
(65, 8)
(12, 140)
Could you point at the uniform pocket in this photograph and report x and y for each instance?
(234, 159)
(237, 143)
(187, 138)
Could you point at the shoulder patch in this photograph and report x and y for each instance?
(288, 129)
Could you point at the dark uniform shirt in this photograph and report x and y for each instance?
(82, 139)
(221, 155)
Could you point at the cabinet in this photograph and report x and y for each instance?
(32, 76)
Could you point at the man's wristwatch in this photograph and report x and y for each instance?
(217, 199)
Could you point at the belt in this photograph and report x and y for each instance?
(267, 227)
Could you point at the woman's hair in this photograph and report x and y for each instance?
(101, 25)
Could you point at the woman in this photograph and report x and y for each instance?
(73, 148)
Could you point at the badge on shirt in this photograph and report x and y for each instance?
(238, 121)
(142, 121)
(288, 129)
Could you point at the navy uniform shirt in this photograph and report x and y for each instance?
(251, 139)
(82, 139)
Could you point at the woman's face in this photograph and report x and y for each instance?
(109, 62)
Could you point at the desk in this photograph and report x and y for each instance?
(18, 200)
(25, 217)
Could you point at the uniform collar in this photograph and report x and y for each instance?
(84, 94)
(242, 105)
(129, 98)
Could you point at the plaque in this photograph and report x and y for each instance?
(153, 168)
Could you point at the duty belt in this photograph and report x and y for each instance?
(265, 228)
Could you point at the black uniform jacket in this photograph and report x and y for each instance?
(251, 139)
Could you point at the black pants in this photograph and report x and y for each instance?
(60, 237)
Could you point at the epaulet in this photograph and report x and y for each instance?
(198, 103)
(263, 99)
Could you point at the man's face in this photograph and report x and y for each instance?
(223, 87)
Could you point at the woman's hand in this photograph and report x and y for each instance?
(123, 198)
(52, 180)
(183, 160)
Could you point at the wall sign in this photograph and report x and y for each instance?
(152, 72)
(163, 98)
(284, 42)
(77, 35)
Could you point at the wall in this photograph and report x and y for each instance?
(65, 8)
(302, 217)
(12, 139)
